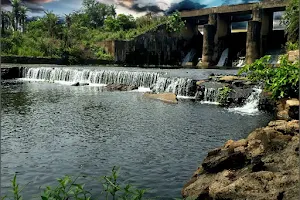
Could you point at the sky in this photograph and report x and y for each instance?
(133, 7)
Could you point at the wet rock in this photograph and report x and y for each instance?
(120, 87)
(165, 97)
(75, 84)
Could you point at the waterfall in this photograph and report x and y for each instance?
(240, 62)
(251, 104)
(189, 57)
(183, 87)
(68, 75)
(223, 58)
(208, 95)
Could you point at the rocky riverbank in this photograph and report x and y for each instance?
(265, 165)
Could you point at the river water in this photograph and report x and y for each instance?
(49, 130)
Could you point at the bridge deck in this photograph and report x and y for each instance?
(273, 5)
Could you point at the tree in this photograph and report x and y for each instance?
(6, 21)
(97, 12)
(16, 7)
(23, 17)
(50, 23)
(291, 20)
(122, 22)
(175, 23)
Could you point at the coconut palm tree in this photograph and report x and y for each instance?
(16, 6)
(23, 17)
(6, 21)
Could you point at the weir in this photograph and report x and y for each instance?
(217, 29)
(154, 80)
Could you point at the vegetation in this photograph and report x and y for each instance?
(69, 189)
(281, 81)
(223, 94)
(291, 20)
(75, 36)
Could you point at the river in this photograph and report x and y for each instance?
(53, 129)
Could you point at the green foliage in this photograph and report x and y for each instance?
(101, 54)
(80, 36)
(68, 188)
(223, 94)
(291, 20)
(290, 46)
(281, 81)
(175, 23)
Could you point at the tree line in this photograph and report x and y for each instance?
(78, 34)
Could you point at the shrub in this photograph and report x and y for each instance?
(281, 81)
(69, 189)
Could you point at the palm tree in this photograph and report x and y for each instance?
(16, 6)
(6, 21)
(23, 16)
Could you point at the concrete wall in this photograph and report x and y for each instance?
(156, 47)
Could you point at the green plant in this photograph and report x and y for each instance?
(69, 189)
(175, 23)
(291, 20)
(281, 81)
(223, 94)
(290, 46)
(66, 189)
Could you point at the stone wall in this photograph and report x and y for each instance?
(155, 47)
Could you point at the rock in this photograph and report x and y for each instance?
(293, 56)
(75, 84)
(120, 87)
(288, 109)
(234, 144)
(200, 82)
(292, 102)
(165, 97)
(231, 78)
(269, 170)
(224, 160)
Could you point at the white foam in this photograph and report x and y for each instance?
(209, 102)
(251, 104)
(185, 97)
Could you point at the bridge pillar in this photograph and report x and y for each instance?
(266, 29)
(222, 33)
(209, 31)
(253, 43)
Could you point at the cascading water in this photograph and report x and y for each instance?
(251, 104)
(183, 87)
(224, 58)
(189, 57)
(140, 79)
(208, 95)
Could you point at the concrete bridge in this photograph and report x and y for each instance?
(217, 28)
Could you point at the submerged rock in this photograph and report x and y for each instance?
(165, 97)
(265, 165)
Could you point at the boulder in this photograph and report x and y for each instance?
(293, 55)
(225, 159)
(288, 109)
(266, 168)
(165, 97)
